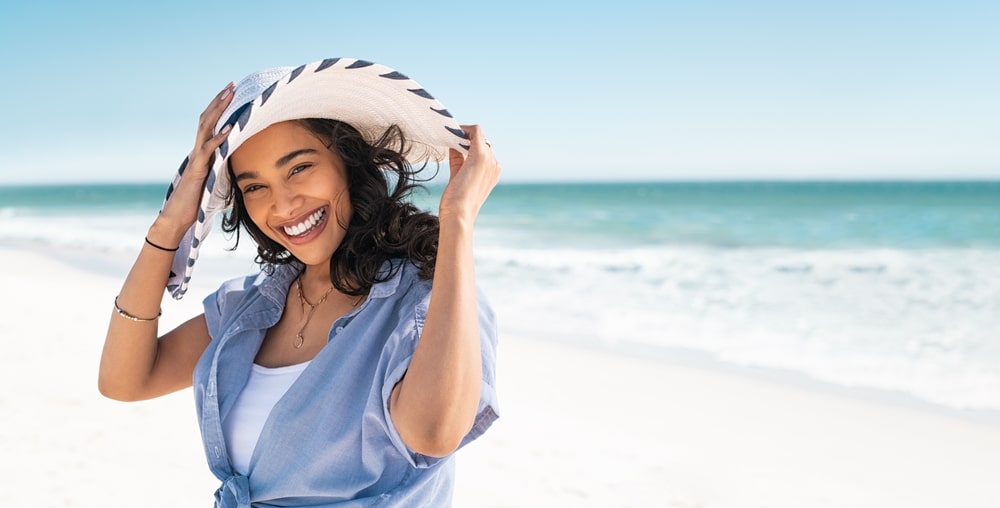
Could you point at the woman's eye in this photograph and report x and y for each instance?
(251, 188)
(299, 168)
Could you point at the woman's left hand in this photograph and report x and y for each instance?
(472, 177)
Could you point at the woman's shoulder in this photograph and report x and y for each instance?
(237, 293)
(406, 286)
(406, 275)
(399, 279)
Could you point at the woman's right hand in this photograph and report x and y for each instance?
(181, 208)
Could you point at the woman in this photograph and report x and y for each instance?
(335, 377)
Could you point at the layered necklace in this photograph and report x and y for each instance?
(299, 337)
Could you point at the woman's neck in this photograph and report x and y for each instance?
(315, 279)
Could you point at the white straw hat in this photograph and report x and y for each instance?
(368, 96)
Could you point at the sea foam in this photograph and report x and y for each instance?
(917, 321)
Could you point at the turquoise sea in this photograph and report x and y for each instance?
(893, 286)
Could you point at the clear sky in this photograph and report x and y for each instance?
(567, 90)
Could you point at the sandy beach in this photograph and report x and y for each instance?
(578, 427)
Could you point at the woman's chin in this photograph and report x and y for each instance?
(314, 260)
(317, 252)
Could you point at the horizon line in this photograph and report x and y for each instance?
(595, 181)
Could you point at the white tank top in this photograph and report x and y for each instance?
(245, 421)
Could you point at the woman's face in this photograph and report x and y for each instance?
(294, 189)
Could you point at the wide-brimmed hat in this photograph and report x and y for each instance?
(368, 96)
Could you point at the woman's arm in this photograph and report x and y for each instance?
(434, 406)
(135, 365)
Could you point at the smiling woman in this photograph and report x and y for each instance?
(290, 198)
(357, 386)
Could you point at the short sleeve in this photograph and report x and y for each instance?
(226, 302)
(489, 408)
(399, 361)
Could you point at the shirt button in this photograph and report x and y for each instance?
(339, 329)
(218, 452)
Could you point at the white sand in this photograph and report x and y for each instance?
(577, 428)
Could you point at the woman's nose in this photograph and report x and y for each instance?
(286, 201)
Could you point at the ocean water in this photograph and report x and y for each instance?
(886, 285)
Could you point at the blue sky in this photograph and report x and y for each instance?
(624, 90)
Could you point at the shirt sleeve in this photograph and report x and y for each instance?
(213, 313)
(221, 305)
(399, 360)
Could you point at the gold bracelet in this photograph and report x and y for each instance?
(130, 317)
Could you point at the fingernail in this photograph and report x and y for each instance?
(226, 128)
(226, 91)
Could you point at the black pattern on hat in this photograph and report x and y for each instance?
(423, 93)
(329, 62)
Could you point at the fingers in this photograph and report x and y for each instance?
(216, 140)
(476, 137)
(206, 141)
(182, 206)
(480, 149)
(210, 117)
(480, 153)
(219, 104)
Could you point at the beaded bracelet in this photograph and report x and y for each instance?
(130, 317)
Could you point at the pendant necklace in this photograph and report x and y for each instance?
(299, 338)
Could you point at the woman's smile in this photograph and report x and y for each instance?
(306, 227)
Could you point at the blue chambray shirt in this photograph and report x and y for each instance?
(329, 441)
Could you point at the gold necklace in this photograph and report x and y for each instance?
(299, 338)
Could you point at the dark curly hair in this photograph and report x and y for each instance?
(384, 224)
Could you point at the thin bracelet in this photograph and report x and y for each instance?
(130, 317)
(162, 247)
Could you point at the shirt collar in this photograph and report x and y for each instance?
(275, 286)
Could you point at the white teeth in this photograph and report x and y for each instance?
(306, 225)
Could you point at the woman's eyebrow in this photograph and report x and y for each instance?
(287, 158)
(246, 175)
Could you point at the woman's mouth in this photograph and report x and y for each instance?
(311, 224)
